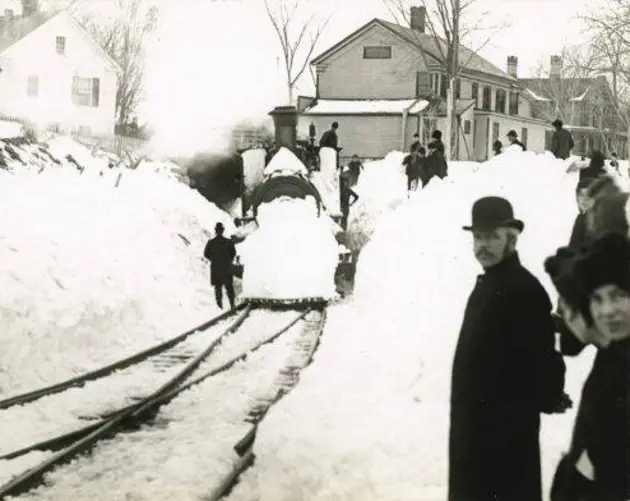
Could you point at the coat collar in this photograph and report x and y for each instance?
(508, 263)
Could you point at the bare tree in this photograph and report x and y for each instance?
(298, 35)
(123, 33)
(608, 32)
(448, 25)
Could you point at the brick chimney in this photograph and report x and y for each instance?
(29, 7)
(8, 15)
(417, 18)
(555, 67)
(512, 66)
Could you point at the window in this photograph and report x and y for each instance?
(377, 52)
(475, 93)
(514, 98)
(32, 86)
(501, 97)
(524, 136)
(423, 83)
(84, 131)
(486, 101)
(60, 45)
(85, 91)
(495, 131)
(458, 88)
(466, 126)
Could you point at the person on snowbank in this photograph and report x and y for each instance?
(330, 139)
(505, 370)
(220, 251)
(413, 167)
(584, 203)
(436, 137)
(415, 145)
(594, 287)
(561, 141)
(434, 165)
(497, 147)
(513, 139)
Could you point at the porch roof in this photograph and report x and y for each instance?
(366, 106)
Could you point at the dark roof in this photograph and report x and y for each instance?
(17, 28)
(427, 44)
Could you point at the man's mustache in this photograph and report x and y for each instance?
(484, 253)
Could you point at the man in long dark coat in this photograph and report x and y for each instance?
(505, 372)
(220, 251)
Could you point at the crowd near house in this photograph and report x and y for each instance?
(385, 82)
(53, 73)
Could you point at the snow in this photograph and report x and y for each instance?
(293, 253)
(9, 129)
(92, 272)
(366, 106)
(108, 271)
(169, 461)
(369, 419)
(285, 161)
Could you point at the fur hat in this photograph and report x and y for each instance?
(577, 273)
(608, 214)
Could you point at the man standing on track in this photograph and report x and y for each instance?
(220, 251)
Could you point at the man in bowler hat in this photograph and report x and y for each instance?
(505, 370)
(220, 251)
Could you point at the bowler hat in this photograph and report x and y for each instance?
(219, 227)
(489, 213)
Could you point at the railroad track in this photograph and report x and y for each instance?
(215, 361)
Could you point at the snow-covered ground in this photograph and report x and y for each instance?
(369, 419)
(94, 264)
(98, 264)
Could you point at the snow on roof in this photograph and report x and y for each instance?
(366, 106)
(285, 160)
(580, 97)
(535, 96)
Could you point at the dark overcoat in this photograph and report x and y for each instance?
(602, 428)
(220, 251)
(505, 373)
(562, 143)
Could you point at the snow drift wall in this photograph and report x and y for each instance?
(369, 419)
(93, 269)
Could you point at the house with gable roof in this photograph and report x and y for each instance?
(53, 73)
(586, 105)
(372, 81)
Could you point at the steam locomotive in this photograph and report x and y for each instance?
(268, 175)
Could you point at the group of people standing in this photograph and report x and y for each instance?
(422, 165)
(506, 369)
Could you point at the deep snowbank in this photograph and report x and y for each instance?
(382, 187)
(369, 420)
(91, 271)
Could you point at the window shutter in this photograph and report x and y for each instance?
(96, 89)
(423, 83)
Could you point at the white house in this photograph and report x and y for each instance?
(54, 74)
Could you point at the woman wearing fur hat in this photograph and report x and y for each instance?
(594, 286)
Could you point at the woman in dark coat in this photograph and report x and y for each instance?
(595, 288)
